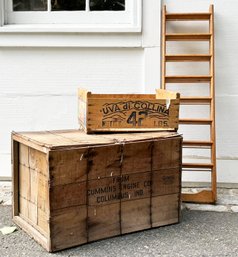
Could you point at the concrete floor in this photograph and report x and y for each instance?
(199, 234)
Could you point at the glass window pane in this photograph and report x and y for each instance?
(29, 5)
(107, 5)
(67, 5)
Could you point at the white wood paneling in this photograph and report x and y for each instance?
(39, 86)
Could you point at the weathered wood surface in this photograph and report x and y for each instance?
(98, 112)
(77, 193)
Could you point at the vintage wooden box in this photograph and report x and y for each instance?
(71, 188)
(133, 112)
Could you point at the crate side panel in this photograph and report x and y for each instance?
(43, 222)
(119, 188)
(33, 187)
(24, 155)
(65, 196)
(23, 207)
(135, 215)
(24, 181)
(103, 221)
(43, 193)
(104, 161)
(38, 161)
(167, 153)
(132, 114)
(165, 210)
(136, 157)
(67, 166)
(68, 227)
(165, 182)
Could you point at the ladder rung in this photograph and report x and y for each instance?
(193, 144)
(195, 100)
(200, 197)
(186, 37)
(197, 166)
(188, 58)
(187, 79)
(195, 121)
(187, 16)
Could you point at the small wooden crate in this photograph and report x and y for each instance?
(134, 112)
(71, 188)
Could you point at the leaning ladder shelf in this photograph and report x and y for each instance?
(204, 196)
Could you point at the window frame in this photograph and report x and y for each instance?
(90, 21)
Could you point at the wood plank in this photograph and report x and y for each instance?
(194, 143)
(114, 113)
(163, 49)
(196, 121)
(135, 215)
(195, 100)
(136, 157)
(126, 187)
(187, 37)
(165, 210)
(187, 79)
(43, 201)
(213, 106)
(43, 222)
(103, 221)
(188, 58)
(166, 182)
(68, 166)
(163, 157)
(38, 161)
(104, 161)
(24, 182)
(15, 177)
(201, 197)
(187, 16)
(197, 165)
(65, 196)
(68, 227)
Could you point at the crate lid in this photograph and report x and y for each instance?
(52, 140)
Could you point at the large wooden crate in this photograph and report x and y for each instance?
(131, 112)
(71, 188)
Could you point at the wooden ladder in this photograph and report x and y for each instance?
(204, 196)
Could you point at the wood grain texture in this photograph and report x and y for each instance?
(102, 186)
(98, 112)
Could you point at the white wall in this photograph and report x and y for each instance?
(226, 79)
(40, 74)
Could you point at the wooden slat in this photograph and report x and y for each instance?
(193, 144)
(195, 121)
(187, 79)
(195, 100)
(212, 109)
(15, 177)
(197, 165)
(163, 49)
(187, 37)
(201, 197)
(188, 58)
(187, 16)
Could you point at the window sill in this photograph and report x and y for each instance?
(69, 28)
(69, 36)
